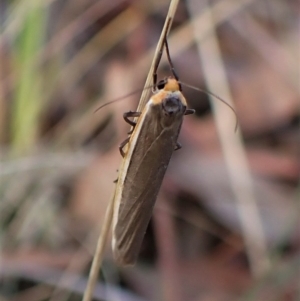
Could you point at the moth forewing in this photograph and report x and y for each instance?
(148, 153)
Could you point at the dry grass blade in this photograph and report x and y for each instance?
(98, 257)
(99, 252)
(233, 149)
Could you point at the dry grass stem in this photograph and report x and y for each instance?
(232, 145)
(99, 252)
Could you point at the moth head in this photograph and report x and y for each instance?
(172, 105)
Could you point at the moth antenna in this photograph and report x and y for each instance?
(158, 59)
(123, 97)
(170, 61)
(217, 97)
(171, 64)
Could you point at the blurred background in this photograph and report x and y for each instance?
(225, 225)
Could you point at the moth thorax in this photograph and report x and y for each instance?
(171, 85)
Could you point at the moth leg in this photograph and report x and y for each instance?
(131, 114)
(122, 146)
(131, 131)
(178, 146)
(189, 111)
(131, 122)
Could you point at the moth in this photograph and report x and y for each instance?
(149, 148)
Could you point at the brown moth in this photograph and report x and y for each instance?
(148, 152)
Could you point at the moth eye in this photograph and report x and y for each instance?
(161, 84)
